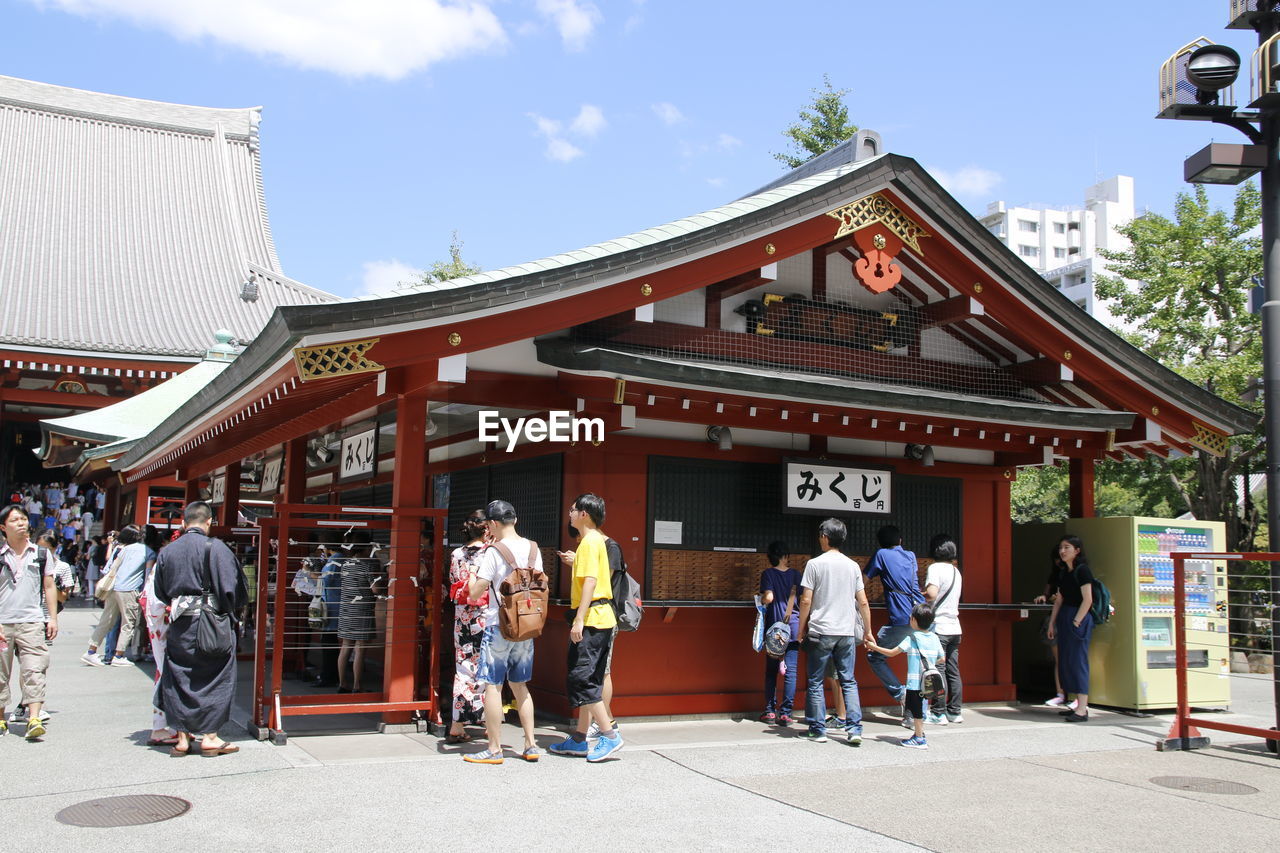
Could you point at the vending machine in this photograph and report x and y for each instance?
(1132, 657)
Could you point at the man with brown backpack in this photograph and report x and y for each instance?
(503, 658)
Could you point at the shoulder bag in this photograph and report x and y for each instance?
(214, 634)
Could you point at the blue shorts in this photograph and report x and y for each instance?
(504, 660)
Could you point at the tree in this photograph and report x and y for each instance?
(1191, 312)
(823, 125)
(455, 267)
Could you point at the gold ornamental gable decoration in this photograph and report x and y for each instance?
(340, 359)
(874, 209)
(1210, 440)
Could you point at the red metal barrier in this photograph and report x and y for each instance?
(401, 698)
(1185, 733)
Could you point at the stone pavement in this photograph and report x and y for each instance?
(1009, 778)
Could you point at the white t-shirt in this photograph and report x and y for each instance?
(835, 580)
(494, 569)
(946, 608)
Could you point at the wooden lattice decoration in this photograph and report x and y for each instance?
(330, 360)
(1210, 440)
(875, 209)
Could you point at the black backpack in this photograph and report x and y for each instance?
(627, 606)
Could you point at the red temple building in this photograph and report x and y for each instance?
(847, 341)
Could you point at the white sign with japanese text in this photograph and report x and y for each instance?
(218, 489)
(271, 476)
(359, 455)
(838, 489)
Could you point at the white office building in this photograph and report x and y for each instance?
(1062, 243)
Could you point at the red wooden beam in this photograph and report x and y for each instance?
(949, 311)
(59, 399)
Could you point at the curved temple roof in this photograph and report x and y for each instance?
(670, 245)
(128, 226)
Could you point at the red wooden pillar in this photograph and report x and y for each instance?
(1080, 489)
(142, 503)
(293, 487)
(231, 496)
(190, 490)
(408, 491)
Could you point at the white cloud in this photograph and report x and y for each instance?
(575, 21)
(967, 181)
(372, 38)
(726, 142)
(562, 150)
(380, 278)
(587, 124)
(590, 121)
(669, 113)
(716, 182)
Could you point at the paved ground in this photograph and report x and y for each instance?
(1006, 779)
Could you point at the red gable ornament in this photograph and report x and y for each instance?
(876, 269)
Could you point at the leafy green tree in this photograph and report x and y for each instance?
(823, 125)
(455, 267)
(1191, 312)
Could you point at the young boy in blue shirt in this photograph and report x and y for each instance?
(920, 645)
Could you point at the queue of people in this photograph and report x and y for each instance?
(171, 590)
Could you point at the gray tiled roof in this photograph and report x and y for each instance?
(127, 226)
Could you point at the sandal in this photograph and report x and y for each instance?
(214, 751)
(453, 739)
(178, 752)
(171, 740)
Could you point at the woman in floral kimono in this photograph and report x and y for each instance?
(468, 630)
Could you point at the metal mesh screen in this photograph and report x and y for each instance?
(818, 318)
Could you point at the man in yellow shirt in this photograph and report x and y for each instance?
(591, 634)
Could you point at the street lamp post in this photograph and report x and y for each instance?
(1210, 69)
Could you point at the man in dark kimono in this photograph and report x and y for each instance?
(195, 690)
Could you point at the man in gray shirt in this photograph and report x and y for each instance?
(25, 586)
(834, 618)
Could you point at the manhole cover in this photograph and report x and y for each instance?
(123, 811)
(1201, 785)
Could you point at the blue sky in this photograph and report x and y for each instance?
(533, 127)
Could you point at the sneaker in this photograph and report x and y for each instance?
(487, 756)
(914, 742)
(593, 730)
(1073, 717)
(35, 729)
(121, 661)
(1057, 701)
(834, 722)
(785, 720)
(19, 714)
(955, 718)
(854, 736)
(604, 747)
(1073, 704)
(4, 728)
(936, 719)
(815, 736)
(531, 754)
(92, 659)
(570, 747)
(767, 717)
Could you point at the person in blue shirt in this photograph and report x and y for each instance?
(900, 575)
(780, 593)
(130, 566)
(920, 644)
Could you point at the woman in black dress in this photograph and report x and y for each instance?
(1072, 624)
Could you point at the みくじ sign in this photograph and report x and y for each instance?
(837, 489)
